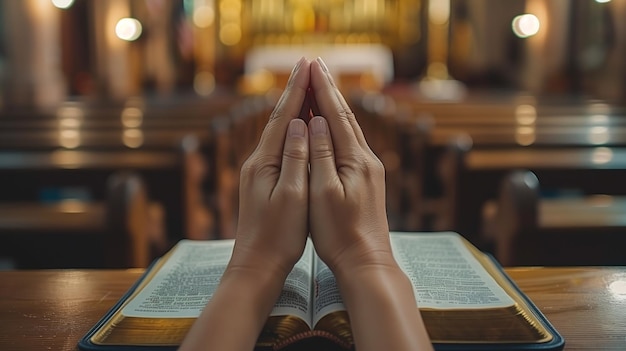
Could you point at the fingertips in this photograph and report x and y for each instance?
(297, 128)
(330, 107)
(318, 127)
(293, 96)
(288, 107)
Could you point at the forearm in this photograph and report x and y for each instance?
(234, 317)
(382, 309)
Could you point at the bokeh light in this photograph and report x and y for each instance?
(526, 25)
(128, 29)
(63, 4)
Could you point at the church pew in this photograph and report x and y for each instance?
(174, 177)
(488, 124)
(122, 139)
(470, 177)
(162, 128)
(154, 138)
(554, 135)
(234, 138)
(118, 231)
(158, 108)
(506, 105)
(525, 228)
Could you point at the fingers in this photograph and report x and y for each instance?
(294, 170)
(288, 107)
(345, 130)
(321, 154)
(305, 111)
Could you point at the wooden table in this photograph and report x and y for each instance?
(52, 310)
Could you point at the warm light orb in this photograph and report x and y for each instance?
(132, 117)
(204, 83)
(132, 138)
(601, 155)
(525, 114)
(63, 4)
(69, 138)
(525, 26)
(230, 34)
(603, 1)
(439, 11)
(203, 16)
(128, 29)
(598, 135)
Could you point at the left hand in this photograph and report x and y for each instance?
(274, 185)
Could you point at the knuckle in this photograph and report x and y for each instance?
(257, 163)
(292, 193)
(370, 167)
(322, 194)
(321, 151)
(345, 114)
(249, 166)
(296, 152)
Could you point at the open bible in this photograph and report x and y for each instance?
(466, 300)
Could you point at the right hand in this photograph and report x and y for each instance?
(347, 214)
(348, 224)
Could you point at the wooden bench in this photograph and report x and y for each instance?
(173, 178)
(471, 177)
(213, 166)
(117, 232)
(417, 134)
(526, 229)
(504, 106)
(234, 138)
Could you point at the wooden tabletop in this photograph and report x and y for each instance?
(52, 310)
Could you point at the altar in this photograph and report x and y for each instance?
(355, 66)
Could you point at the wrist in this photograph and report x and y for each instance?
(394, 321)
(256, 288)
(256, 257)
(369, 255)
(361, 277)
(244, 299)
(256, 274)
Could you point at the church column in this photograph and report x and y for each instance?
(33, 74)
(115, 62)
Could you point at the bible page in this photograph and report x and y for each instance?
(445, 274)
(326, 297)
(185, 282)
(296, 295)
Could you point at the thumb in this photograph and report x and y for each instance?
(322, 154)
(294, 168)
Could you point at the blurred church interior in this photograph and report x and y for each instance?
(123, 123)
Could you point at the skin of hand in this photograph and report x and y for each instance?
(272, 227)
(349, 228)
(345, 205)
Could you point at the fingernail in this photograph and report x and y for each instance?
(295, 69)
(322, 64)
(318, 126)
(296, 128)
(298, 64)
